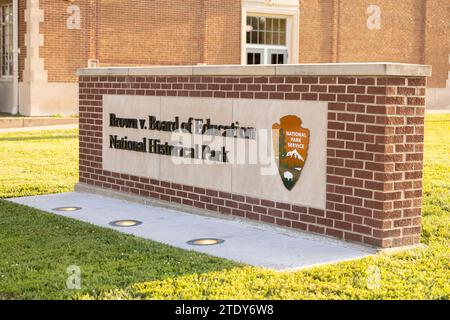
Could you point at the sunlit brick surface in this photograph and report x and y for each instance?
(167, 32)
(374, 152)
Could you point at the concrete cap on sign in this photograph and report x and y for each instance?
(321, 69)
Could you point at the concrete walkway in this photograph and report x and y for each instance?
(45, 128)
(442, 111)
(250, 243)
(25, 122)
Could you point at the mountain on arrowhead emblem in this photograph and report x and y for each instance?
(290, 143)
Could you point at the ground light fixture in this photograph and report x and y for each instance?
(67, 209)
(125, 223)
(205, 242)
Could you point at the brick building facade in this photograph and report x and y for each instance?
(45, 41)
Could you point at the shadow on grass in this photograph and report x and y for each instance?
(36, 248)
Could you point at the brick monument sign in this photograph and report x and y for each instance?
(334, 149)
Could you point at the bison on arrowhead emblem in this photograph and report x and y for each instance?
(290, 144)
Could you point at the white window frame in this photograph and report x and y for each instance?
(268, 47)
(287, 9)
(9, 73)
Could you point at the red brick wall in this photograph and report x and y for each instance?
(64, 50)
(412, 31)
(222, 32)
(316, 31)
(157, 32)
(436, 43)
(164, 32)
(374, 152)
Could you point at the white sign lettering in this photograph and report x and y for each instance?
(74, 20)
(374, 19)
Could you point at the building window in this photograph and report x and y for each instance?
(266, 40)
(6, 40)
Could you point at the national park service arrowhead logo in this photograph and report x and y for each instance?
(290, 144)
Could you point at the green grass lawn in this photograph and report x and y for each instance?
(33, 163)
(37, 247)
